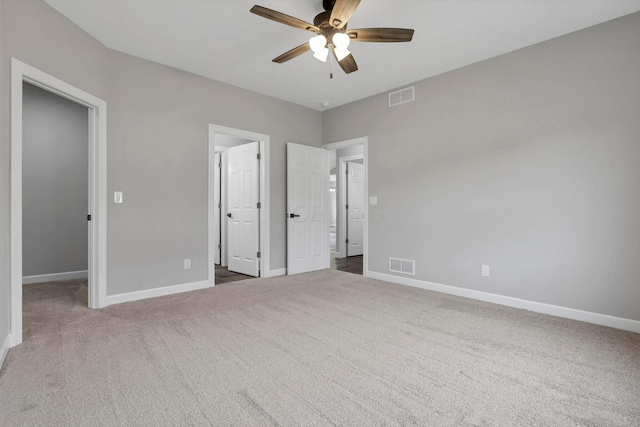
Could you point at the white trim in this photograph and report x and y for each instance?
(223, 203)
(4, 349)
(341, 236)
(21, 72)
(538, 307)
(265, 194)
(55, 277)
(364, 141)
(157, 292)
(276, 272)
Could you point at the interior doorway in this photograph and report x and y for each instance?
(349, 204)
(55, 199)
(238, 215)
(96, 212)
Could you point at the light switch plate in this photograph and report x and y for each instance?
(117, 197)
(373, 200)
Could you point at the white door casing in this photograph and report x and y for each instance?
(243, 217)
(356, 210)
(217, 204)
(97, 282)
(308, 212)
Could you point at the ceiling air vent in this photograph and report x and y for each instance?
(402, 96)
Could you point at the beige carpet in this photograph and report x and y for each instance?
(326, 348)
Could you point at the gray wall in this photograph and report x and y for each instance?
(158, 120)
(527, 162)
(229, 141)
(55, 172)
(158, 136)
(5, 283)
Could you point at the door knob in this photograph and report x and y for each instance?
(293, 216)
(229, 215)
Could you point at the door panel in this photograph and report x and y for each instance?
(308, 199)
(217, 217)
(243, 213)
(355, 200)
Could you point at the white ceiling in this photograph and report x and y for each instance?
(222, 40)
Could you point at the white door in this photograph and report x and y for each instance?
(242, 204)
(307, 208)
(217, 213)
(355, 212)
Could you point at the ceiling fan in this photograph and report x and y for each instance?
(332, 34)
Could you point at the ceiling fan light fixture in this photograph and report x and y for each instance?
(341, 53)
(322, 54)
(317, 43)
(341, 40)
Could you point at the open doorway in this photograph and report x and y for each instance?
(94, 210)
(348, 191)
(55, 199)
(238, 216)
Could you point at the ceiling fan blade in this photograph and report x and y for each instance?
(342, 11)
(283, 19)
(381, 35)
(348, 64)
(296, 51)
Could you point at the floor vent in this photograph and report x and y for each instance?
(402, 96)
(403, 266)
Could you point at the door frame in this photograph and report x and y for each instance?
(264, 243)
(218, 187)
(364, 141)
(97, 140)
(223, 203)
(341, 219)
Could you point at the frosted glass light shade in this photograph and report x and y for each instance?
(317, 43)
(341, 40)
(322, 54)
(341, 53)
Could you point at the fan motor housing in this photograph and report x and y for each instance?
(328, 4)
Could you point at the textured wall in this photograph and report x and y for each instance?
(527, 162)
(55, 155)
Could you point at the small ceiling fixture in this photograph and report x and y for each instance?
(331, 31)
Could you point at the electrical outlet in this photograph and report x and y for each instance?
(485, 271)
(187, 263)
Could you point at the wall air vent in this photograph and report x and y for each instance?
(402, 266)
(402, 96)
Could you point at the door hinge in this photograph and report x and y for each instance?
(88, 217)
(346, 172)
(259, 205)
(346, 206)
(258, 156)
(220, 165)
(259, 255)
(219, 245)
(346, 240)
(219, 205)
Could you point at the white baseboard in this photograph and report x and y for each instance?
(538, 307)
(274, 273)
(55, 277)
(4, 349)
(157, 292)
